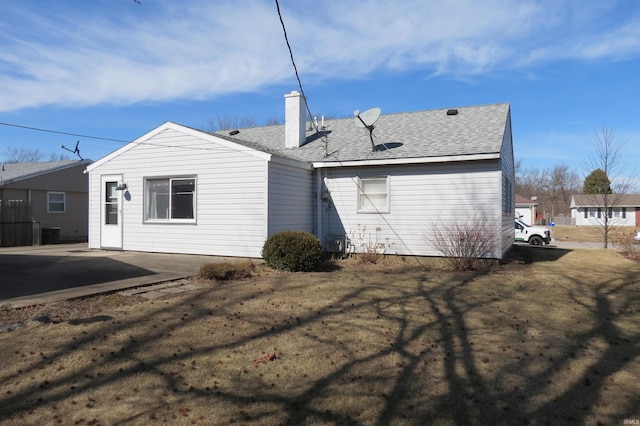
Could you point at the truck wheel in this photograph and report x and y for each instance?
(535, 240)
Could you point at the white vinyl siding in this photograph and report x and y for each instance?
(594, 216)
(508, 197)
(231, 195)
(291, 198)
(422, 196)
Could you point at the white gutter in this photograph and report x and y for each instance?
(423, 160)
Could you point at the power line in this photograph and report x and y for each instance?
(61, 133)
(284, 30)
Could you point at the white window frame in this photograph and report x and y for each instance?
(168, 219)
(50, 202)
(370, 207)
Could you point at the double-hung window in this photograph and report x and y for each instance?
(56, 202)
(373, 195)
(170, 199)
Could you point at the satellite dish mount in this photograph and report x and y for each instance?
(75, 151)
(366, 120)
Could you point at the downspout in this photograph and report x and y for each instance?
(319, 204)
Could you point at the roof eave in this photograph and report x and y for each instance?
(413, 160)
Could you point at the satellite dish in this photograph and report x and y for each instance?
(366, 121)
(367, 118)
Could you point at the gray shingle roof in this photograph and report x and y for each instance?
(433, 133)
(597, 200)
(12, 172)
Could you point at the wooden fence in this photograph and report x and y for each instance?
(17, 227)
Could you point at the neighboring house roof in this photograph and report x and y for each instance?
(597, 200)
(15, 172)
(473, 131)
(520, 200)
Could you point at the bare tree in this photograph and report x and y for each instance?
(227, 122)
(530, 182)
(54, 156)
(561, 183)
(273, 121)
(609, 156)
(553, 187)
(22, 155)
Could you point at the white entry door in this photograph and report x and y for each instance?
(111, 213)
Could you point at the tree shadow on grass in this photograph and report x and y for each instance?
(359, 348)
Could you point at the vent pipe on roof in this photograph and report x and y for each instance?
(452, 112)
(295, 133)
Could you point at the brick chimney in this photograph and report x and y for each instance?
(294, 120)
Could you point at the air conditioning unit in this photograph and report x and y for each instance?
(335, 243)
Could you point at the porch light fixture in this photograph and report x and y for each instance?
(121, 187)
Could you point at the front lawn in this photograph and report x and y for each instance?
(553, 338)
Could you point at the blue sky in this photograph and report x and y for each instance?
(117, 69)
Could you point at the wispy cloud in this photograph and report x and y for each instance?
(123, 53)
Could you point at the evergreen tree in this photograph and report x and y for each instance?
(597, 183)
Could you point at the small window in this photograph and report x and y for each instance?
(373, 195)
(56, 202)
(592, 214)
(110, 203)
(170, 199)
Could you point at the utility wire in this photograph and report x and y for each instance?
(284, 30)
(61, 133)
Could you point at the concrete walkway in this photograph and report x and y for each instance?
(41, 274)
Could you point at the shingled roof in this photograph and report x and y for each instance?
(473, 130)
(14, 172)
(597, 200)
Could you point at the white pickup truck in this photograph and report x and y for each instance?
(534, 235)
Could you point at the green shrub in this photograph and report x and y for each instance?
(226, 271)
(293, 251)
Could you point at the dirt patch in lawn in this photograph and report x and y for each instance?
(553, 337)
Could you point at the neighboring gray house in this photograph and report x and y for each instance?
(182, 190)
(624, 209)
(55, 195)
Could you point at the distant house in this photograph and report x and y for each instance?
(526, 209)
(181, 190)
(624, 210)
(54, 195)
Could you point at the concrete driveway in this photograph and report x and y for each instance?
(40, 274)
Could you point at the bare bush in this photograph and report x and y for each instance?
(466, 245)
(624, 242)
(369, 247)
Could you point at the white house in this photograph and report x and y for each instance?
(588, 209)
(182, 190)
(526, 209)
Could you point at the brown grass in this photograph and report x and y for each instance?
(587, 234)
(551, 338)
